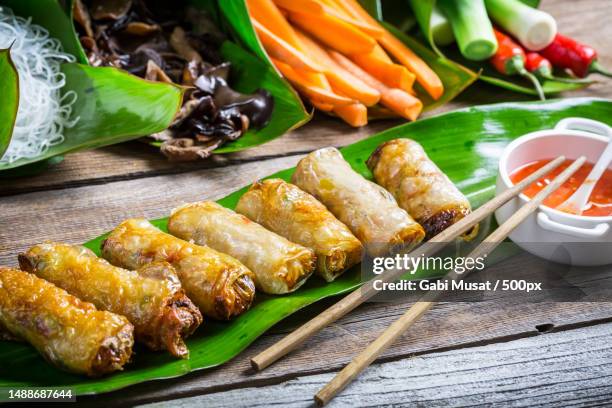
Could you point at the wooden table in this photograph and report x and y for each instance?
(91, 192)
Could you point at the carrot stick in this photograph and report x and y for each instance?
(331, 8)
(266, 12)
(301, 6)
(322, 106)
(424, 74)
(341, 80)
(281, 50)
(355, 115)
(334, 32)
(391, 74)
(381, 54)
(311, 91)
(395, 99)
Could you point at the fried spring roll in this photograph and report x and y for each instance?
(294, 214)
(218, 284)
(69, 333)
(419, 186)
(280, 266)
(370, 212)
(152, 299)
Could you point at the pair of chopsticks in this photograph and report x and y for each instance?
(351, 301)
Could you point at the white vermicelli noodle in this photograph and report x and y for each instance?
(43, 111)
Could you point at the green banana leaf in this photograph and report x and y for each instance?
(103, 95)
(112, 106)
(423, 10)
(9, 89)
(466, 145)
(454, 77)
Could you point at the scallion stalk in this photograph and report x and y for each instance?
(434, 21)
(471, 27)
(441, 29)
(535, 29)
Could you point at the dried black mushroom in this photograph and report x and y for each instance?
(171, 42)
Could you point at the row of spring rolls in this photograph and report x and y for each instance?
(83, 312)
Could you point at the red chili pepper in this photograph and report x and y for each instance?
(542, 68)
(567, 53)
(510, 60)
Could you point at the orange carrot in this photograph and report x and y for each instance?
(381, 54)
(322, 106)
(391, 74)
(355, 115)
(424, 74)
(340, 80)
(395, 99)
(332, 8)
(334, 32)
(281, 50)
(266, 12)
(301, 6)
(311, 91)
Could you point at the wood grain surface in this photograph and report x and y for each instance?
(91, 192)
(566, 369)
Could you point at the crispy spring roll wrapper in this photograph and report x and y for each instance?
(370, 212)
(218, 284)
(419, 186)
(280, 266)
(294, 214)
(69, 333)
(152, 299)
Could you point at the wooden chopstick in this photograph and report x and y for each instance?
(366, 291)
(374, 349)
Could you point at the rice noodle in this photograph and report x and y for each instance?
(43, 111)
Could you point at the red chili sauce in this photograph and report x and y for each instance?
(600, 202)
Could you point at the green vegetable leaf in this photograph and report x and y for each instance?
(465, 144)
(112, 107)
(9, 89)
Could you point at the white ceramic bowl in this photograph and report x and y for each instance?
(549, 233)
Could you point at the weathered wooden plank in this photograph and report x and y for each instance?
(132, 160)
(135, 159)
(571, 368)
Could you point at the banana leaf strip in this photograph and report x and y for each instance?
(9, 89)
(465, 144)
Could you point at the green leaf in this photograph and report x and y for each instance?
(465, 144)
(9, 89)
(423, 9)
(112, 106)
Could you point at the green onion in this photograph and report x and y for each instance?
(472, 27)
(534, 28)
(433, 21)
(441, 30)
